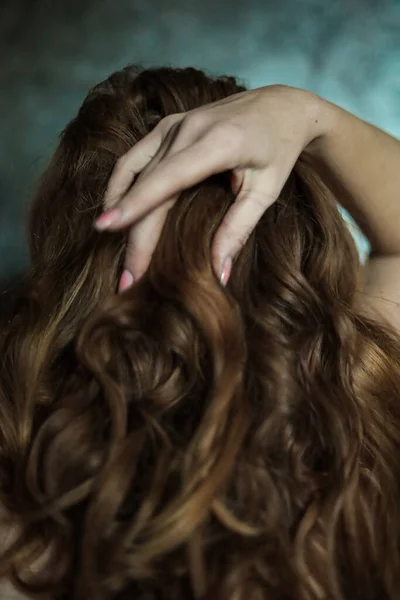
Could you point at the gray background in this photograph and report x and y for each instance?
(52, 52)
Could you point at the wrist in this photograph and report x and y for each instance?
(325, 118)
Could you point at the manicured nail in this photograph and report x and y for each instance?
(125, 281)
(108, 218)
(226, 270)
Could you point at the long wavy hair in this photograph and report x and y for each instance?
(183, 440)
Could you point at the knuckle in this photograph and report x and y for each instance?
(233, 236)
(259, 200)
(167, 122)
(194, 123)
(122, 164)
(241, 239)
(197, 119)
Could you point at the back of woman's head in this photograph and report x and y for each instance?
(185, 440)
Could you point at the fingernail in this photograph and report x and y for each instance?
(226, 271)
(107, 219)
(125, 281)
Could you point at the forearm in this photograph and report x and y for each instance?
(361, 165)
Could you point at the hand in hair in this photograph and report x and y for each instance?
(257, 134)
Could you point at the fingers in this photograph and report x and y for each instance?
(172, 175)
(136, 159)
(142, 240)
(258, 192)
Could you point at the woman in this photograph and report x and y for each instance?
(228, 427)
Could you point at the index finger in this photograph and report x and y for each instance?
(136, 159)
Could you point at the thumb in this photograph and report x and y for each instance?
(258, 192)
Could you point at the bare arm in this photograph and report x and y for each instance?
(361, 164)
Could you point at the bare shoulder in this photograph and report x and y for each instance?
(380, 292)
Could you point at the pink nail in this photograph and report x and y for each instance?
(226, 271)
(125, 281)
(108, 218)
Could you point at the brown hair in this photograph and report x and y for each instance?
(184, 440)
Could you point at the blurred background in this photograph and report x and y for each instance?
(54, 50)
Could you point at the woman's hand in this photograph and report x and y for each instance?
(258, 134)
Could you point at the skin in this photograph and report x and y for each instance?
(258, 135)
